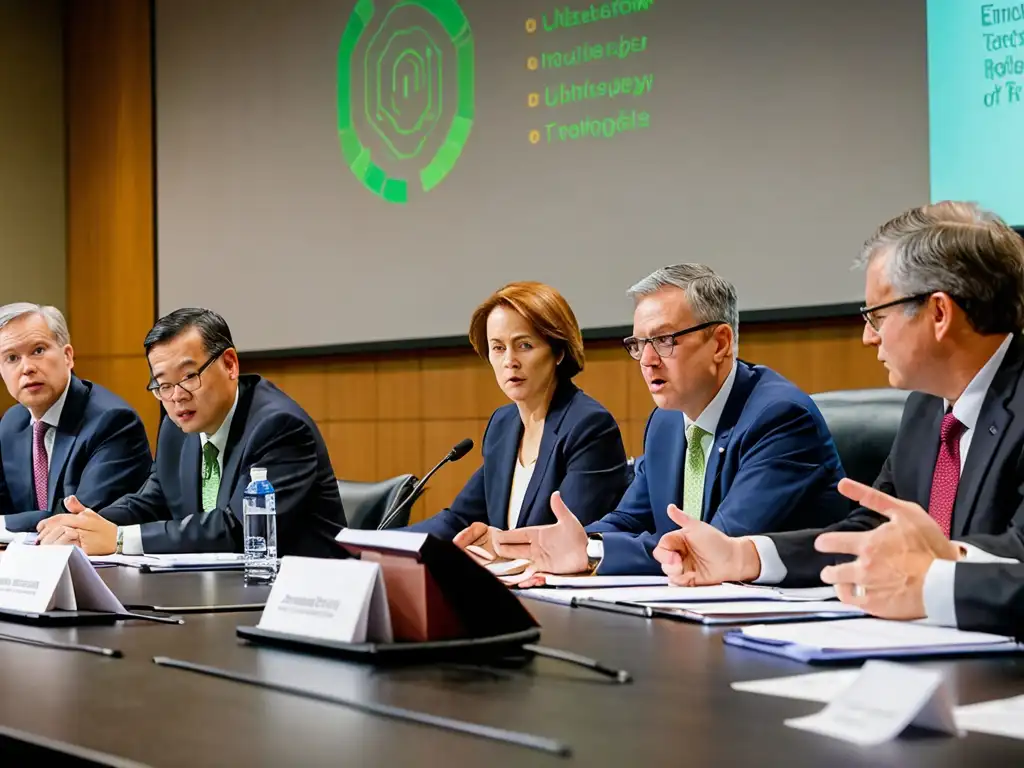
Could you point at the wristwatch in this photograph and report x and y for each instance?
(595, 552)
(119, 548)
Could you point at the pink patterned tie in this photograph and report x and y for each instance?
(40, 464)
(947, 473)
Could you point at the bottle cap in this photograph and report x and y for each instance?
(257, 473)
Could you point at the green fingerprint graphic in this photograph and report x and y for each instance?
(405, 93)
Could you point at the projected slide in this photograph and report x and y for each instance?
(335, 172)
(976, 103)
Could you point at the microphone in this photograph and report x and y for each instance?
(461, 449)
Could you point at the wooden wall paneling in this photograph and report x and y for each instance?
(109, 122)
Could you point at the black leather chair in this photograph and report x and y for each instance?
(366, 503)
(863, 423)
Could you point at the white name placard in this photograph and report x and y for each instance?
(340, 600)
(881, 702)
(35, 579)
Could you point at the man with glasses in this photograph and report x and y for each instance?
(945, 310)
(735, 445)
(220, 425)
(66, 435)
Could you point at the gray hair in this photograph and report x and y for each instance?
(959, 249)
(54, 319)
(710, 297)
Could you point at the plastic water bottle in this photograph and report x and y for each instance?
(259, 526)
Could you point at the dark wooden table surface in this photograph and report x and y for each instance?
(679, 710)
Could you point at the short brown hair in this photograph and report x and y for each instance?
(962, 250)
(546, 310)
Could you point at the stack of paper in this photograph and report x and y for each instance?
(666, 595)
(193, 561)
(863, 638)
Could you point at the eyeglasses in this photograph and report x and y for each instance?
(872, 319)
(190, 383)
(663, 345)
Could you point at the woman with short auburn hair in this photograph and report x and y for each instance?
(551, 437)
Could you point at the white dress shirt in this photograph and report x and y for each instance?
(51, 417)
(708, 421)
(938, 584)
(520, 482)
(131, 542)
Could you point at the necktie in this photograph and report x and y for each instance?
(211, 476)
(40, 462)
(693, 473)
(947, 473)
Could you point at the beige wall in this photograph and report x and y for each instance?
(32, 223)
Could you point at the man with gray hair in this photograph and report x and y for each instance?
(734, 445)
(66, 436)
(945, 310)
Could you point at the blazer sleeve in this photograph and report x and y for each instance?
(989, 597)
(118, 462)
(283, 443)
(626, 532)
(784, 468)
(595, 469)
(796, 548)
(469, 506)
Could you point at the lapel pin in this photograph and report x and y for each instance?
(992, 430)
(721, 450)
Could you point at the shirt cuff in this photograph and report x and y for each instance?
(974, 555)
(939, 595)
(773, 571)
(131, 541)
(6, 537)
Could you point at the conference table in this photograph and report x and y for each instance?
(678, 710)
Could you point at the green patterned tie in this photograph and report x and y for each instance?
(211, 476)
(693, 474)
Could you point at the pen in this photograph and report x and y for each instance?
(112, 653)
(517, 738)
(150, 617)
(227, 608)
(630, 609)
(569, 657)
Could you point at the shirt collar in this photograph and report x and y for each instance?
(967, 408)
(52, 415)
(220, 437)
(712, 413)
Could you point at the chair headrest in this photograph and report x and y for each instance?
(366, 503)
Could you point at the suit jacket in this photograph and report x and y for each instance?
(100, 452)
(581, 455)
(772, 466)
(990, 495)
(269, 430)
(989, 597)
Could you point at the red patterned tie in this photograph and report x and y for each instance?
(947, 473)
(40, 464)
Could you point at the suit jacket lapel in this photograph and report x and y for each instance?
(993, 421)
(191, 475)
(18, 472)
(741, 386)
(66, 434)
(504, 461)
(930, 430)
(231, 465)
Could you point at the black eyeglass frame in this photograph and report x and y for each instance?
(155, 387)
(667, 339)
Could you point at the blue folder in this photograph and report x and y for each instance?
(811, 655)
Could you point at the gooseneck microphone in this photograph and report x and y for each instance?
(461, 449)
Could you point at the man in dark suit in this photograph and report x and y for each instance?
(945, 295)
(907, 569)
(732, 444)
(220, 425)
(66, 436)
